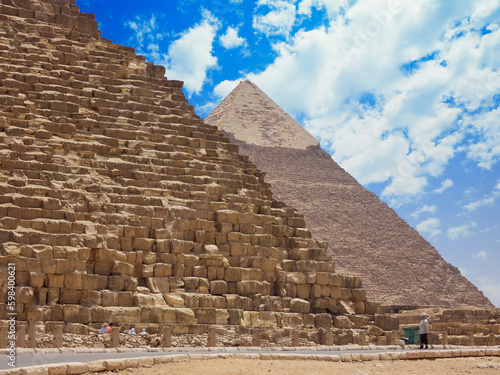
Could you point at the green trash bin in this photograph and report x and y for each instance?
(411, 333)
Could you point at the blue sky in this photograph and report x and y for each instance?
(403, 94)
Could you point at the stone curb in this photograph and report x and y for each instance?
(74, 368)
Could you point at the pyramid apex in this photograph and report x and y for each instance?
(249, 115)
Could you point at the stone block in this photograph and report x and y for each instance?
(174, 299)
(335, 280)
(115, 314)
(109, 298)
(358, 295)
(386, 322)
(249, 287)
(73, 281)
(233, 274)
(162, 269)
(68, 296)
(303, 291)
(296, 278)
(116, 283)
(185, 316)
(316, 291)
(218, 287)
(300, 306)
(90, 298)
(342, 322)
(205, 315)
(251, 274)
(122, 268)
(141, 299)
(55, 281)
(374, 331)
(37, 279)
(323, 321)
(158, 284)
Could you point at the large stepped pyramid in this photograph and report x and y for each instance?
(119, 204)
(365, 235)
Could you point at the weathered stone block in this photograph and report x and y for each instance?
(233, 274)
(70, 296)
(158, 284)
(122, 268)
(335, 280)
(218, 287)
(117, 315)
(73, 281)
(342, 322)
(324, 321)
(251, 274)
(249, 287)
(109, 298)
(116, 283)
(300, 306)
(185, 316)
(322, 278)
(162, 269)
(174, 299)
(205, 315)
(90, 298)
(296, 278)
(358, 295)
(304, 291)
(386, 322)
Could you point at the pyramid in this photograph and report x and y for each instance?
(365, 236)
(119, 204)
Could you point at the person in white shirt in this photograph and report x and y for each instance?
(424, 330)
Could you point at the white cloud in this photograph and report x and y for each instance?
(279, 20)
(331, 6)
(430, 227)
(488, 200)
(144, 29)
(481, 255)
(462, 231)
(389, 87)
(423, 209)
(446, 184)
(480, 203)
(231, 39)
(190, 57)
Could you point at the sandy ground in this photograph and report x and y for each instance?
(452, 366)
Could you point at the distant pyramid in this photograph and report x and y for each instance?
(366, 236)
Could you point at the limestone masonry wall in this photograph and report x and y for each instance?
(119, 204)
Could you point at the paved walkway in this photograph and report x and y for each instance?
(43, 357)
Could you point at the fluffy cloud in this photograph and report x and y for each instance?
(423, 209)
(392, 89)
(462, 231)
(279, 19)
(231, 39)
(189, 57)
(488, 200)
(145, 29)
(429, 226)
(446, 184)
(481, 255)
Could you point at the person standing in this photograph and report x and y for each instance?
(424, 330)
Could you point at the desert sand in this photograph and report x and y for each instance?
(452, 366)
